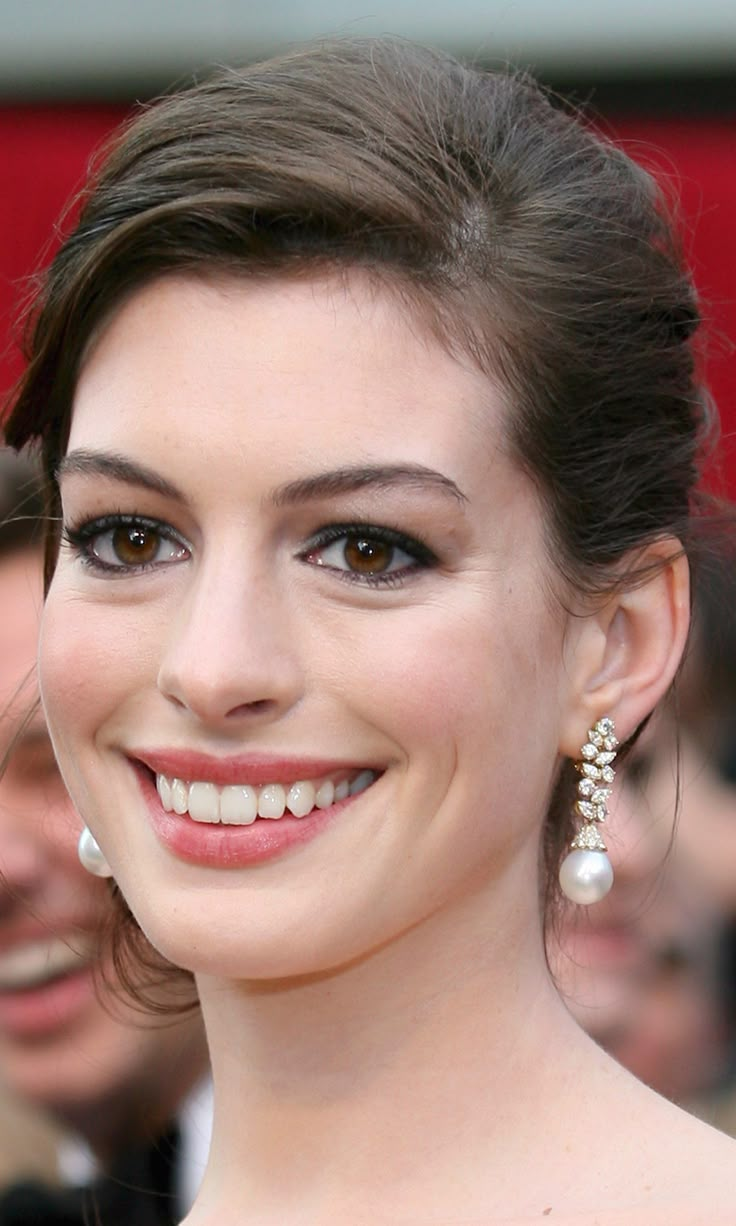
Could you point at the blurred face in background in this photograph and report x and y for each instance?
(638, 970)
(60, 1045)
(706, 832)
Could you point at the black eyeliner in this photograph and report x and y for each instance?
(375, 532)
(423, 557)
(79, 537)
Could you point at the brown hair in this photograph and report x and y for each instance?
(22, 511)
(530, 242)
(706, 706)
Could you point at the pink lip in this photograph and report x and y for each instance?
(224, 846)
(41, 1012)
(253, 769)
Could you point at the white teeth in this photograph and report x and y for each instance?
(364, 780)
(164, 791)
(300, 798)
(272, 801)
(179, 796)
(204, 803)
(325, 795)
(238, 805)
(36, 962)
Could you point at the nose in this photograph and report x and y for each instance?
(22, 860)
(231, 653)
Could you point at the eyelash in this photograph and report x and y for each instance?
(80, 538)
(423, 556)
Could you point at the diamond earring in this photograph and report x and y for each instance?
(586, 873)
(90, 855)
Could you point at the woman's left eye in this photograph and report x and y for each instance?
(371, 555)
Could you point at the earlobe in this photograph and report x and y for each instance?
(624, 655)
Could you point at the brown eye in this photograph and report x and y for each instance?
(126, 546)
(134, 545)
(380, 556)
(367, 557)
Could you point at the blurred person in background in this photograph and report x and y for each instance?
(112, 1077)
(650, 973)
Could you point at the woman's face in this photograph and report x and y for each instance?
(299, 564)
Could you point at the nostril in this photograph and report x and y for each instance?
(258, 707)
(174, 698)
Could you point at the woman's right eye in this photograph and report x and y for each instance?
(126, 544)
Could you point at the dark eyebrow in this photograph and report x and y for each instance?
(381, 476)
(110, 464)
(322, 485)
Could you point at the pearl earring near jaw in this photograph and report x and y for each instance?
(90, 855)
(586, 874)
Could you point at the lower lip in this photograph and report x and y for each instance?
(218, 845)
(39, 1012)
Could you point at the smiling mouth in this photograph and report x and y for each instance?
(37, 963)
(242, 804)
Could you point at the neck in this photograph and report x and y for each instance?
(362, 1086)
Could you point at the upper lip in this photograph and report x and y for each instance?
(254, 769)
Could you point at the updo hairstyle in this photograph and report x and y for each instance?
(522, 237)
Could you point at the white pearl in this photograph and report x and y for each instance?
(90, 855)
(586, 876)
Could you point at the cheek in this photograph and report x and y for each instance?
(90, 655)
(84, 669)
(68, 660)
(455, 683)
(491, 662)
(403, 673)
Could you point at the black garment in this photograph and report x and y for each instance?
(138, 1191)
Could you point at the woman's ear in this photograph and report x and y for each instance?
(622, 658)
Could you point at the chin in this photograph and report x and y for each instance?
(260, 935)
(281, 954)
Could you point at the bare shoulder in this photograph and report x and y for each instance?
(659, 1167)
(626, 1157)
(668, 1166)
(698, 1165)
(618, 1154)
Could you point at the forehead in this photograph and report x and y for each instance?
(337, 361)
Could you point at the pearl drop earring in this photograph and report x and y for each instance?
(90, 855)
(586, 874)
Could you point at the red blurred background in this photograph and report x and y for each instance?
(45, 150)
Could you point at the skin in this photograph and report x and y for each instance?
(65, 1044)
(367, 995)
